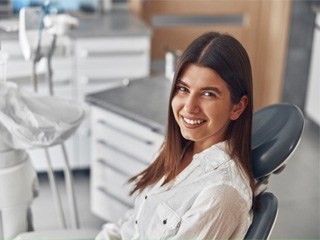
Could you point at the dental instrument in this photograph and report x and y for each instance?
(38, 32)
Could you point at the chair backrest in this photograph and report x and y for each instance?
(264, 216)
(276, 132)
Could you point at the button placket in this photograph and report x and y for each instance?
(139, 211)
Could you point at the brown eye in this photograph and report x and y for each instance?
(209, 94)
(181, 89)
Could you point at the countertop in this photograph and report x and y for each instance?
(114, 23)
(144, 101)
(118, 22)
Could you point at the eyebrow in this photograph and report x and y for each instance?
(215, 89)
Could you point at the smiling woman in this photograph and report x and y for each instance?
(201, 184)
(202, 106)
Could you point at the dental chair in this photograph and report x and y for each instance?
(276, 133)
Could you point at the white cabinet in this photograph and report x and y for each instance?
(20, 71)
(106, 61)
(121, 148)
(94, 64)
(103, 63)
(102, 53)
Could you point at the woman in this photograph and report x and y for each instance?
(201, 184)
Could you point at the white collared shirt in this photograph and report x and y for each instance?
(210, 199)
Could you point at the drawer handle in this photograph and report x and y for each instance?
(135, 137)
(63, 82)
(110, 195)
(84, 79)
(107, 165)
(87, 54)
(105, 144)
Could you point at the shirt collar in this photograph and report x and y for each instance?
(209, 159)
(212, 157)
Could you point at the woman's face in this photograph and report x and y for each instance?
(202, 106)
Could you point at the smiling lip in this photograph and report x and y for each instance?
(192, 122)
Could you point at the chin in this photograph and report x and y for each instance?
(189, 137)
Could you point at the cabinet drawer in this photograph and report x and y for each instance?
(115, 66)
(138, 149)
(125, 136)
(110, 156)
(103, 46)
(106, 206)
(109, 119)
(113, 180)
(12, 47)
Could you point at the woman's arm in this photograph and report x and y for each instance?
(217, 213)
(112, 231)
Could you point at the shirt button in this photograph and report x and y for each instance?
(165, 221)
(145, 197)
(136, 222)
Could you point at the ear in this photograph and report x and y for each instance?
(238, 108)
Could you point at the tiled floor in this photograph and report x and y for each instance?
(44, 210)
(297, 189)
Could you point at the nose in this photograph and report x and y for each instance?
(191, 104)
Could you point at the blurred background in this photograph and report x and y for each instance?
(113, 43)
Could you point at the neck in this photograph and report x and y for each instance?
(186, 158)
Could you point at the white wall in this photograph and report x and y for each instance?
(313, 92)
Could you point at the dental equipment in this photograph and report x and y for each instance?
(27, 121)
(38, 34)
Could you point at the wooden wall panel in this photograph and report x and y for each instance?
(263, 33)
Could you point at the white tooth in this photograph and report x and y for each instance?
(193, 122)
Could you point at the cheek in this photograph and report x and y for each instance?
(175, 105)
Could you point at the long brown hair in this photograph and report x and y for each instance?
(226, 56)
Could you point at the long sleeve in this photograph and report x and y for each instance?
(112, 231)
(216, 214)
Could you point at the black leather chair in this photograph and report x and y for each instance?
(276, 132)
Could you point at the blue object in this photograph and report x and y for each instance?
(55, 6)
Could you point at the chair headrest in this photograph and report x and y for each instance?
(276, 132)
